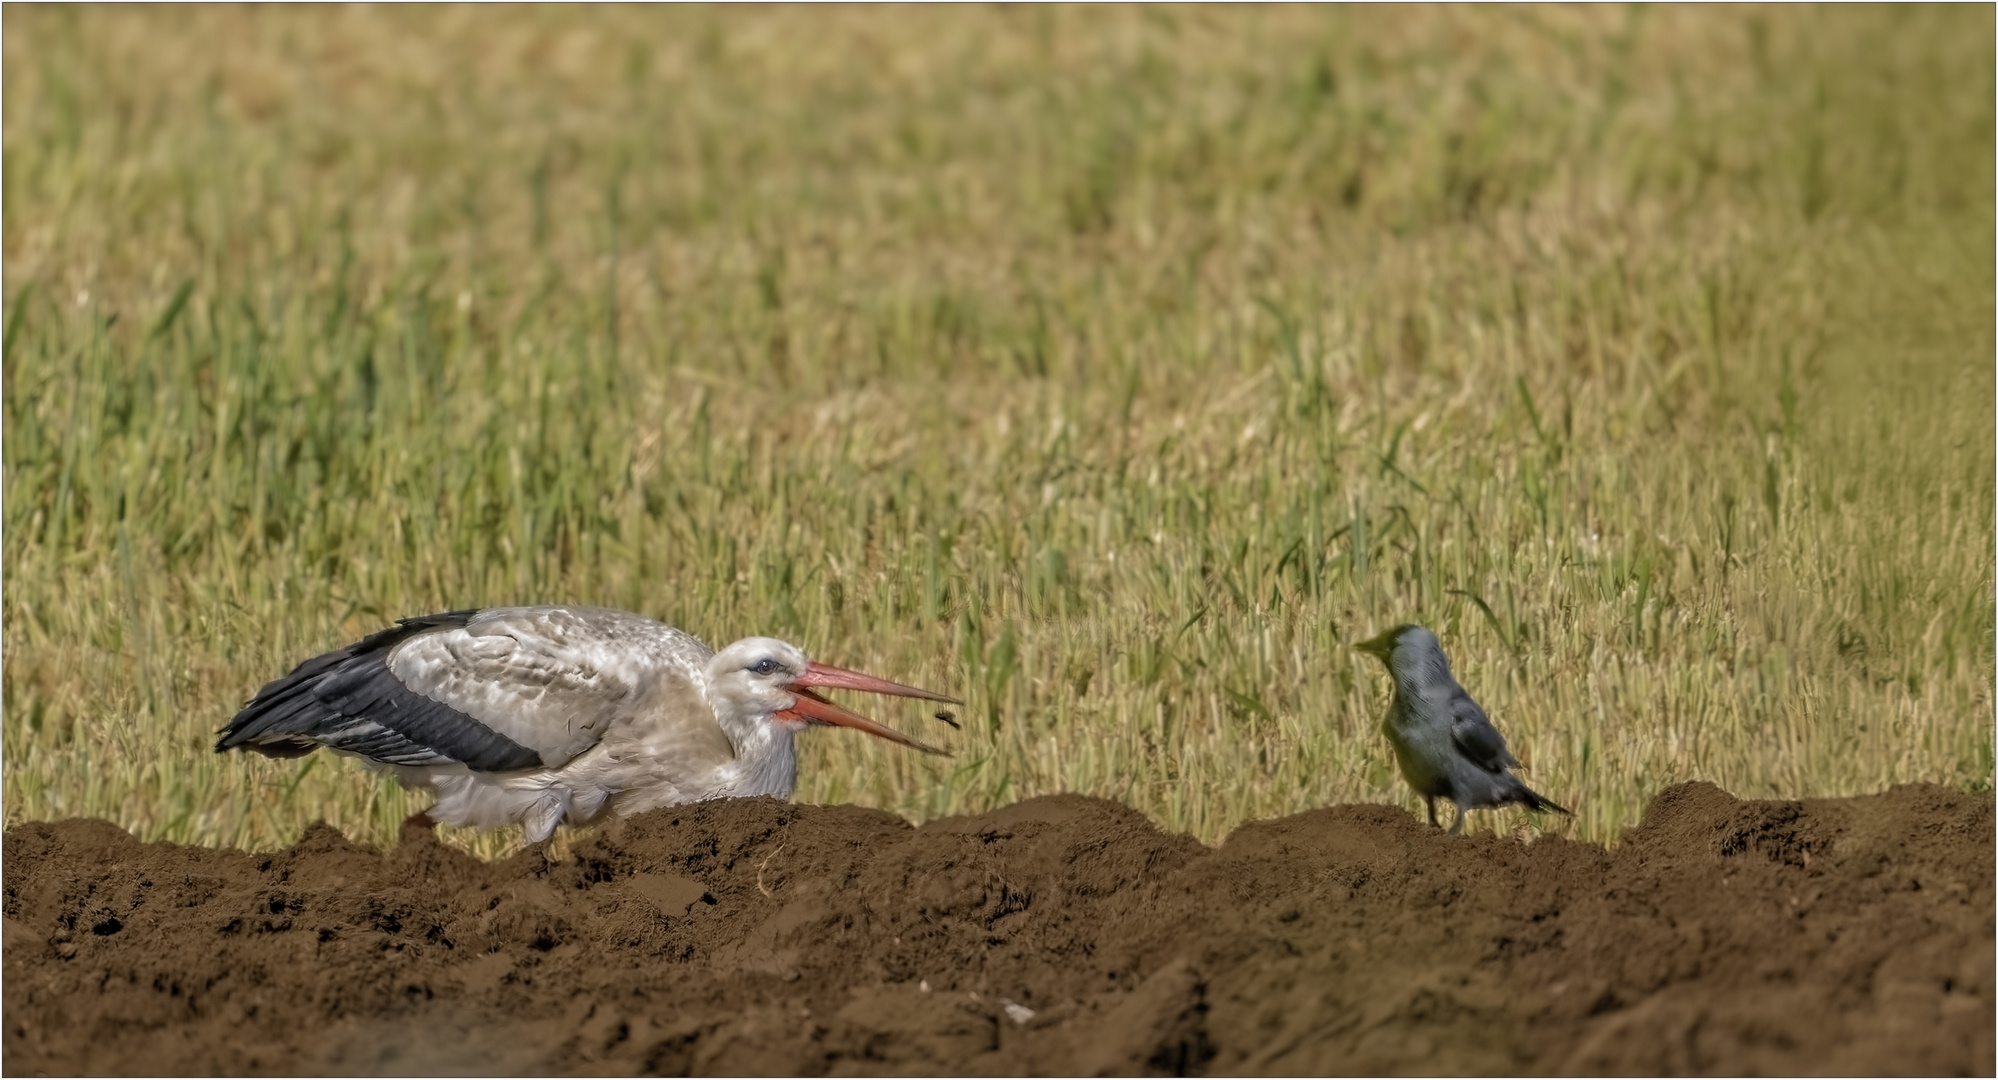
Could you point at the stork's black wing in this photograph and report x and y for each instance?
(351, 700)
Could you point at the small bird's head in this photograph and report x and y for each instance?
(764, 677)
(1406, 648)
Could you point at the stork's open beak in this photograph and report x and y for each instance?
(811, 708)
(817, 674)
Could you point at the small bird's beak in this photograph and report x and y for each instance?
(813, 709)
(1381, 646)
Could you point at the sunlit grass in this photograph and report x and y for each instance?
(1114, 368)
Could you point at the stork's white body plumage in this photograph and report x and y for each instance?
(546, 715)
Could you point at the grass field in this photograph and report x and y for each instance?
(1115, 368)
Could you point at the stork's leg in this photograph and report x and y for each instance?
(1457, 826)
(1431, 801)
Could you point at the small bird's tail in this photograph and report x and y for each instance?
(1533, 800)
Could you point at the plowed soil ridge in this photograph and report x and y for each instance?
(1057, 935)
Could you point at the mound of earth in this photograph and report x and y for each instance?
(1058, 935)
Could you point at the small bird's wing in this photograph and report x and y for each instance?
(1475, 736)
(496, 690)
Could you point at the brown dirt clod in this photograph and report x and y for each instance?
(1058, 935)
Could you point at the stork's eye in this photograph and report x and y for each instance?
(765, 666)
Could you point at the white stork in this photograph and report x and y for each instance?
(541, 715)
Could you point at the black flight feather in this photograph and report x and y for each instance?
(349, 700)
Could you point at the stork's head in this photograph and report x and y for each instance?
(1408, 651)
(772, 679)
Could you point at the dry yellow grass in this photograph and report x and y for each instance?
(1114, 367)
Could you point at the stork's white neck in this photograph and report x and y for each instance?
(766, 760)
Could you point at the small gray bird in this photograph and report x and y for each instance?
(1446, 746)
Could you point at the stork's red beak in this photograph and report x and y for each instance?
(817, 674)
(813, 709)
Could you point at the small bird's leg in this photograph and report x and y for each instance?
(1430, 800)
(1457, 826)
